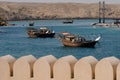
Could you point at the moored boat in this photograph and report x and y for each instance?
(68, 21)
(3, 23)
(43, 32)
(72, 40)
(31, 23)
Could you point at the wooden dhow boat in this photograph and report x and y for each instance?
(43, 32)
(72, 40)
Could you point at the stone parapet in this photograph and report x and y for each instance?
(65, 68)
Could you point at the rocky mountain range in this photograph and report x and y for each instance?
(19, 11)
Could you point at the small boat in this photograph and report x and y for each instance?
(43, 32)
(67, 21)
(117, 22)
(72, 40)
(3, 23)
(31, 23)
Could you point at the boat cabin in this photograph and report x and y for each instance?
(74, 38)
(69, 37)
(45, 30)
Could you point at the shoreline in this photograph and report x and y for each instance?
(61, 19)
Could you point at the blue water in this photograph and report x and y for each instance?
(14, 40)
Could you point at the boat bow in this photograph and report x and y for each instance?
(98, 38)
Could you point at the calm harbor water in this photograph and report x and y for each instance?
(15, 41)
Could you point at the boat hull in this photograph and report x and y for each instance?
(80, 44)
(38, 35)
(67, 22)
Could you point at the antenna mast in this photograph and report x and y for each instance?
(100, 12)
(103, 10)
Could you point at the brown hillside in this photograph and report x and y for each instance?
(16, 11)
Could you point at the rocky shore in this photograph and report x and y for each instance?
(20, 11)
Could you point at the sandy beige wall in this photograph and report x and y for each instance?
(64, 68)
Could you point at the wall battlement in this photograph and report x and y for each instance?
(64, 68)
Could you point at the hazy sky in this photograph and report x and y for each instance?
(76, 1)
